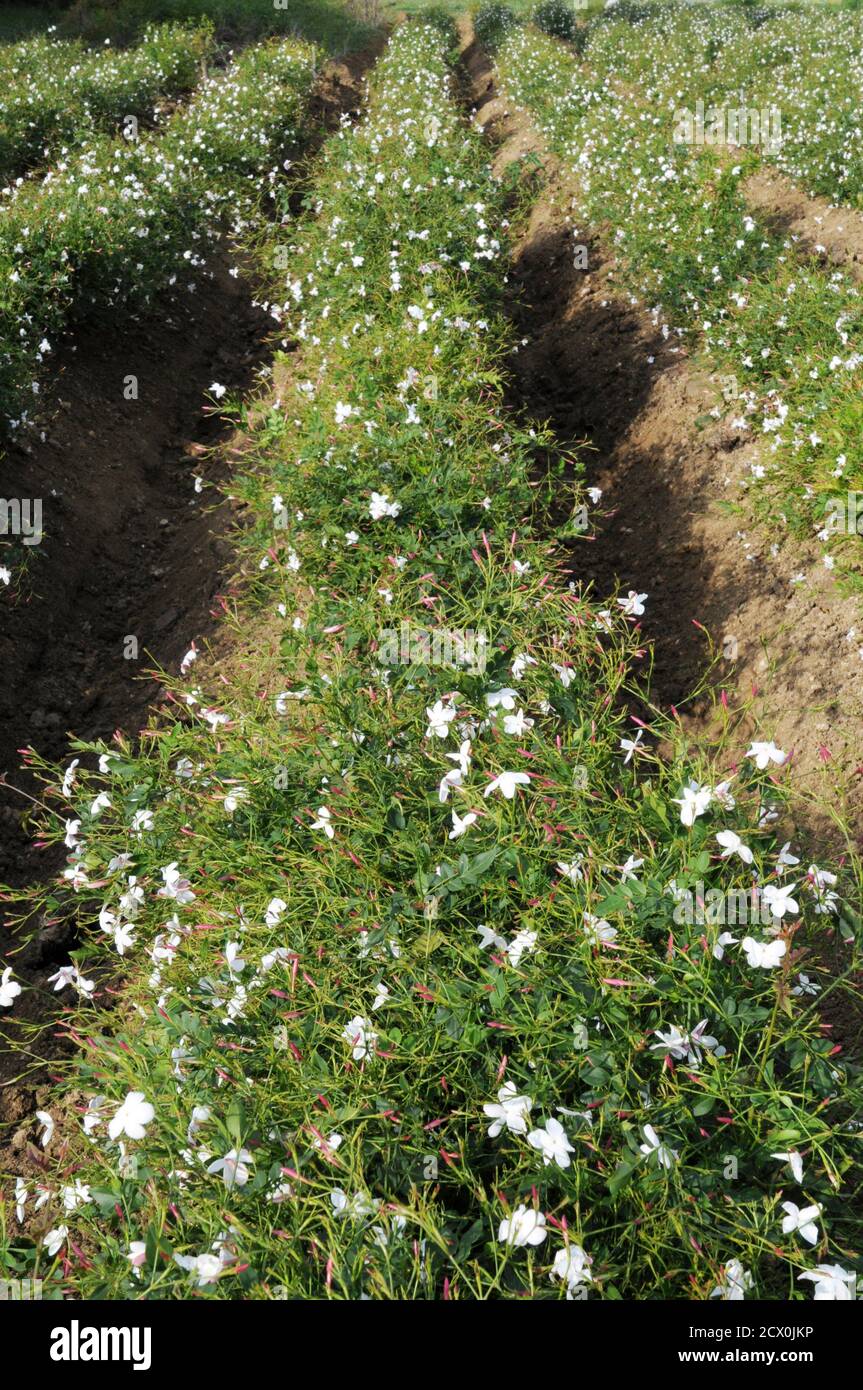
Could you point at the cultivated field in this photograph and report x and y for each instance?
(431, 615)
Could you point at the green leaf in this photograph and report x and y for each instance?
(621, 1176)
(235, 1120)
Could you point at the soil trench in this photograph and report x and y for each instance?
(129, 569)
(832, 234)
(673, 522)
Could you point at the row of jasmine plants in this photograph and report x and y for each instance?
(805, 63)
(127, 215)
(49, 107)
(787, 330)
(444, 976)
(334, 26)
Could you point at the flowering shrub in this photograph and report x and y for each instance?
(492, 23)
(413, 1009)
(807, 64)
(556, 17)
(335, 27)
(121, 219)
(788, 333)
(57, 94)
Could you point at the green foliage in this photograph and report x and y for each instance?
(557, 18)
(492, 23)
(344, 937)
(440, 18)
(57, 95)
(84, 240)
(786, 331)
(324, 22)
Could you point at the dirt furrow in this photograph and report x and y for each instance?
(819, 228)
(674, 479)
(132, 561)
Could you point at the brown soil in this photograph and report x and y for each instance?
(675, 522)
(833, 234)
(130, 550)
